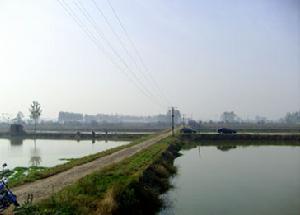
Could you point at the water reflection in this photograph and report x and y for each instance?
(16, 141)
(46, 152)
(35, 156)
(253, 180)
(225, 148)
(199, 151)
(16, 144)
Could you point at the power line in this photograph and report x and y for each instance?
(90, 36)
(90, 19)
(144, 75)
(113, 31)
(86, 31)
(103, 50)
(137, 52)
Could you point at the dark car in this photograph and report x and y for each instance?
(187, 131)
(226, 131)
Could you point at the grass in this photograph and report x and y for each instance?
(21, 172)
(41, 172)
(117, 188)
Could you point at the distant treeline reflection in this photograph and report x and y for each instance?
(16, 141)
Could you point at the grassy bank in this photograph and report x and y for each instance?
(26, 175)
(132, 186)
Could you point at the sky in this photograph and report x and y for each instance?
(203, 57)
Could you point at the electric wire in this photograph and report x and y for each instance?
(137, 51)
(139, 69)
(91, 20)
(69, 11)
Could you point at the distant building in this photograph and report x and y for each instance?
(16, 129)
(90, 118)
(69, 117)
(64, 117)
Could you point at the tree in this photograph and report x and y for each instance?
(35, 112)
(229, 117)
(194, 124)
(19, 117)
(260, 120)
(293, 118)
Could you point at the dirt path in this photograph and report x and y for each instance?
(44, 188)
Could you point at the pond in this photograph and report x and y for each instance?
(48, 153)
(257, 180)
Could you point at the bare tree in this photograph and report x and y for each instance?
(35, 112)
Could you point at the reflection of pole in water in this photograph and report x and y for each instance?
(35, 159)
(199, 151)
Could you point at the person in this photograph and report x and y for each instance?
(93, 134)
(77, 136)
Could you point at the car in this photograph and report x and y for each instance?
(226, 131)
(187, 131)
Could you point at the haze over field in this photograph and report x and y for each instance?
(206, 57)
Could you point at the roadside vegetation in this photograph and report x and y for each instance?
(132, 186)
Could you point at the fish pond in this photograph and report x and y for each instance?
(257, 180)
(48, 153)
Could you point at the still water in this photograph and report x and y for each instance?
(48, 153)
(256, 180)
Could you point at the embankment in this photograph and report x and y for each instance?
(131, 186)
(273, 138)
(74, 135)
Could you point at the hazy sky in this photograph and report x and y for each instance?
(206, 57)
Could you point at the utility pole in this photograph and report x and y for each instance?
(173, 121)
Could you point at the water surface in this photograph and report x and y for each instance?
(48, 153)
(258, 180)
